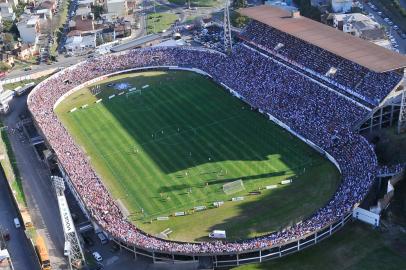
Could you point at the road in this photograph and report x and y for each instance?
(400, 41)
(41, 200)
(22, 255)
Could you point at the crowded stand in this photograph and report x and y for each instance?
(355, 79)
(311, 110)
(390, 170)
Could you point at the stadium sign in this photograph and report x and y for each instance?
(67, 222)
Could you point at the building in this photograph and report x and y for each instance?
(84, 8)
(77, 45)
(5, 260)
(25, 51)
(362, 26)
(82, 24)
(118, 8)
(6, 12)
(319, 3)
(12, 3)
(341, 6)
(29, 29)
(7, 59)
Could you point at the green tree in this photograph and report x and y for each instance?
(4, 67)
(8, 40)
(240, 21)
(239, 3)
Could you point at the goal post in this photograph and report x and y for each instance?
(133, 93)
(233, 187)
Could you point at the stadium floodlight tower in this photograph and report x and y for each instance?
(72, 247)
(402, 114)
(228, 45)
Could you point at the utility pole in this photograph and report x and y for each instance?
(228, 46)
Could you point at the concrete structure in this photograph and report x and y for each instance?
(6, 12)
(341, 5)
(5, 260)
(29, 29)
(118, 8)
(77, 45)
(355, 49)
(362, 26)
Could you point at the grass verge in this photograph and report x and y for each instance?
(9, 164)
(158, 22)
(356, 247)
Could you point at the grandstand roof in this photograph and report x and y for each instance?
(360, 51)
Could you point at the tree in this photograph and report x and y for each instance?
(4, 67)
(8, 40)
(240, 3)
(240, 21)
(97, 10)
(9, 27)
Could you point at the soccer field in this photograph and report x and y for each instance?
(173, 145)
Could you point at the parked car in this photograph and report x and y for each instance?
(97, 256)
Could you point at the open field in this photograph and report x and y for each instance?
(356, 247)
(158, 22)
(172, 146)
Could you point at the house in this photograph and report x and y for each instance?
(361, 26)
(29, 29)
(84, 8)
(7, 58)
(12, 3)
(118, 8)
(341, 6)
(122, 29)
(6, 12)
(51, 5)
(25, 51)
(44, 14)
(83, 24)
(77, 45)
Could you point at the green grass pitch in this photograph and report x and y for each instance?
(173, 146)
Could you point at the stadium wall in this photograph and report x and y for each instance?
(220, 259)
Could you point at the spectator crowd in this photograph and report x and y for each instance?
(354, 79)
(310, 109)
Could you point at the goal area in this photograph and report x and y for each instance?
(233, 187)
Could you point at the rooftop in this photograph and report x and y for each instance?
(355, 49)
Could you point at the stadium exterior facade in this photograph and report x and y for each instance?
(218, 259)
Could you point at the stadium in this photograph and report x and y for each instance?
(284, 67)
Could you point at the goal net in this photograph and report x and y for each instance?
(133, 93)
(233, 187)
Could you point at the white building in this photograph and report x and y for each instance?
(6, 11)
(77, 45)
(362, 26)
(341, 6)
(117, 7)
(29, 29)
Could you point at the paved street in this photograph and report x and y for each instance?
(40, 196)
(22, 255)
(400, 41)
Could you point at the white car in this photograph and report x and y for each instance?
(97, 256)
